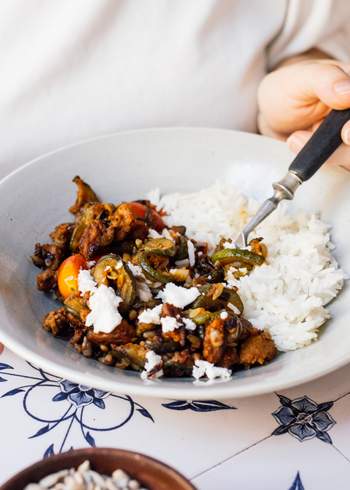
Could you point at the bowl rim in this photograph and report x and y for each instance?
(90, 452)
(218, 390)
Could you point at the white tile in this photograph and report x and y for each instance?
(274, 463)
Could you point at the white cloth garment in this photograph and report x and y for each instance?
(74, 69)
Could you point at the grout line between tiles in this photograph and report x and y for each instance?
(341, 397)
(229, 457)
(341, 453)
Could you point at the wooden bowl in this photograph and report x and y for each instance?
(151, 473)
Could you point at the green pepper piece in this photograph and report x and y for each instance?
(199, 316)
(111, 268)
(231, 296)
(182, 249)
(160, 246)
(151, 273)
(228, 255)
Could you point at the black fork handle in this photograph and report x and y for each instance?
(325, 140)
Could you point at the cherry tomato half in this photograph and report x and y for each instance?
(147, 214)
(67, 276)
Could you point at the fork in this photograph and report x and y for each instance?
(325, 140)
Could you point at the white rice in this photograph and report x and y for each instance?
(288, 294)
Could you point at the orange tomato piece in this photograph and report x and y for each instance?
(67, 276)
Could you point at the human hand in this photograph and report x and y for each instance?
(294, 99)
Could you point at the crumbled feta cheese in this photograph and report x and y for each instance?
(104, 315)
(154, 233)
(178, 295)
(151, 315)
(200, 253)
(209, 277)
(234, 308)
(189, 324)
(191, 253)
(205, 368)
(108, 267)
(223, 315)
(86, 283)
(169, 324)
(153, 361)
(135, 270)
(182, 263)
(90, 263)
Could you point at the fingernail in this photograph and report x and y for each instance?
(295, 143)
(346, 136)
(342, 88)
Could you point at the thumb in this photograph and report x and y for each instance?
(331, 85)
(297, 96)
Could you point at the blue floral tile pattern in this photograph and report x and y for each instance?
(198, 406)
(304, 419)
(76, 401)
(297, 483)
(80, 395)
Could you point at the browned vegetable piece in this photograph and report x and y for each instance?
(48, 256)
(230, 358)
(182, 250)
(90, 213)
(178, 336)
(209, 296)
(199, 315)
(180, 275)
(179, 229)
(258, 247)
(77, 306)
(134, 354)
(95, 236)
(56, 322)
(214, 339)
(46, 280)
(215, 296)
(170, 310)
(237, 330)
(122, 334)
(195, 342)
(123, 221)
(178, 364)
(151, 273)
(111, 269)
(84, 195)
(161, 345)
(160, 246)
(61, 235)
(257, 349)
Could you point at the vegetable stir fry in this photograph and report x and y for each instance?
(137, 294)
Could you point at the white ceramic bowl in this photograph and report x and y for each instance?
(125, 166)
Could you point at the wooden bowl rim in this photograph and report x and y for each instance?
(90, 453)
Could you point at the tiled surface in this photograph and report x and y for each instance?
(219, 445)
